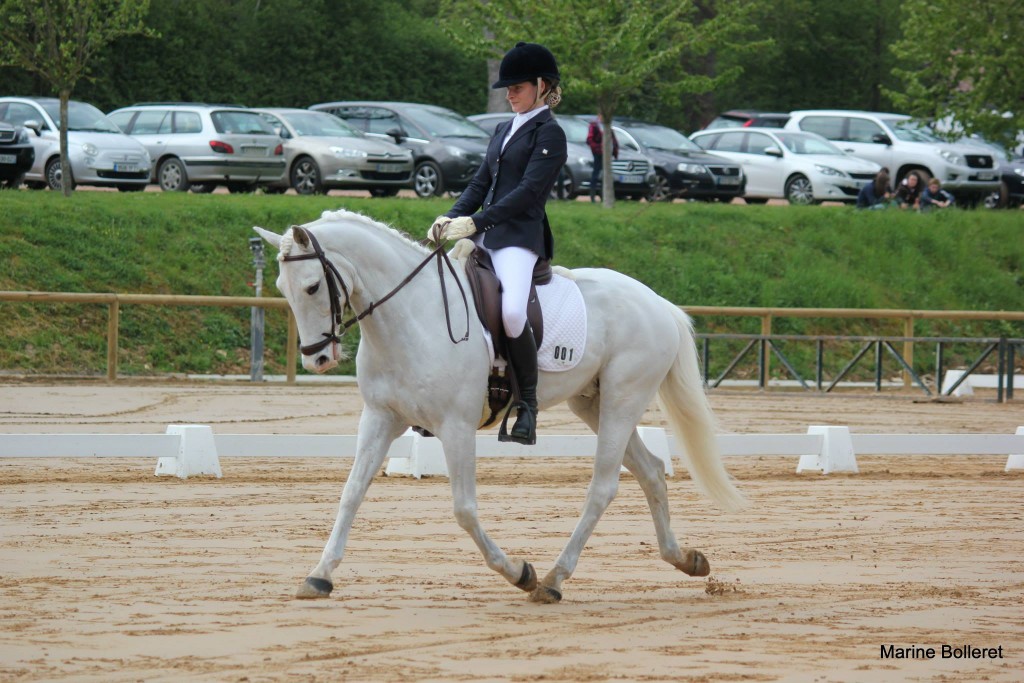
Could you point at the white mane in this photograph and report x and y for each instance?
(345, 215)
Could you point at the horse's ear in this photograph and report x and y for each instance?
(299, 235)
(272, 238)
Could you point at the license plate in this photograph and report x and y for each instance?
(8, 159)
(387, 168)
(729, 180)
(126, 168)
(630, 179)
(986, 176)
(250, 151)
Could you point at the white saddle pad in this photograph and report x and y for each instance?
(565, 326)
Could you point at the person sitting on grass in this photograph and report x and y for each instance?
(934, 197)
(908, 194)
(875, 194)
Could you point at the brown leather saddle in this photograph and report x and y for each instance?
(486, 288)
(483, 282)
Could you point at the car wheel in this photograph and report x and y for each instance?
(55, 176)
(562, 189)
(1000, 199)
(305, 176)
(241, 188)
(381, 192)
(203, 188)
(427, 180)
(172, 176)
(755, 200)
(660, 190)
(799, 190)
(131, 188)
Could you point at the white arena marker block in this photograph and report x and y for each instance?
(656, 440)
(951, 377)
(425, 457)
(197, 453)
(836, 451)
(1016, 460)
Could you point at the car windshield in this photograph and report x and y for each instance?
(320, 124)
(575, 129)
(240, 122)
(443, 123)
(81, 117)
(660, 137)
(908, 131)
(807, 144)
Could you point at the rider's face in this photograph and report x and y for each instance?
(522, 96)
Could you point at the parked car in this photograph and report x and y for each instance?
(323, 152)
(633, 172)
(446, 146)
(804, 168)
(745, 118)
(682, 168)
(99, 153)
(201, 146)
(16, 154)
(896, 142)
(1011, 173)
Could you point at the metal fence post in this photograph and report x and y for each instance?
(908, 349)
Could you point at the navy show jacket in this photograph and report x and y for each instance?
(507, 195)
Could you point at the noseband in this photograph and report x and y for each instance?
(334, 282)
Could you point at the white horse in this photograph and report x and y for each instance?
(411, 373)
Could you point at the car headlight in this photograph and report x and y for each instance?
(692, 169)
(455, 151)
(1019, 171)
(90, 149)
(951, 157)
(347, 153)
(828, 170)
(22, 137)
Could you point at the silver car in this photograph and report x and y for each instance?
(323, 152)
(99, 153)
(201, 146)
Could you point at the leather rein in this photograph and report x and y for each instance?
(334, 281)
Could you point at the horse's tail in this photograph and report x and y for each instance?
(682, 399)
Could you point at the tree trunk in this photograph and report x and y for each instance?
(607, 149)
(496, 101)
(65, 163)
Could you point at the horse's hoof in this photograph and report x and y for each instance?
(313, 588)
(528, 581)
(546, 595)
(694, 564)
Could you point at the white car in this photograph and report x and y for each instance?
(100, 154)
(802, 167)
(896, 142)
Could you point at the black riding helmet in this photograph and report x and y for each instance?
(526, 62)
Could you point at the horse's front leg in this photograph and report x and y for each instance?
(460, 455)
(377, 430)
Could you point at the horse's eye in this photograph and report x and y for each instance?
(312, 288)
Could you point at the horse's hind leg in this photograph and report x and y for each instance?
(612, 436)
(649, 471)
(460, 455)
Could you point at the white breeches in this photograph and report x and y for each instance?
(514, 268)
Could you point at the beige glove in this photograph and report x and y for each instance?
(435, 233)
(445, 228)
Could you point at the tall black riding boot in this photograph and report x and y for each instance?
(522, 352)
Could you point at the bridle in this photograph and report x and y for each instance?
(335, 281)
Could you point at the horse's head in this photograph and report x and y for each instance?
(316, 293)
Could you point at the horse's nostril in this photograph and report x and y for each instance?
(321, 360)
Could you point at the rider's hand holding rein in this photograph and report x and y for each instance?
(445, 228)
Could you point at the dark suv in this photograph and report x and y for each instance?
(682, 168)
(746, 118)
(447, 148)
(16, 154)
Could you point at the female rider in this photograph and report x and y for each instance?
(503, 207)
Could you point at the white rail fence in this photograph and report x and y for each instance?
(190, 450)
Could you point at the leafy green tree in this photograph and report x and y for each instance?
(964, 59)
(58, 39)
(607, 51)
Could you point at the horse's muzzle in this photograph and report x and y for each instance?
(324, 360)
